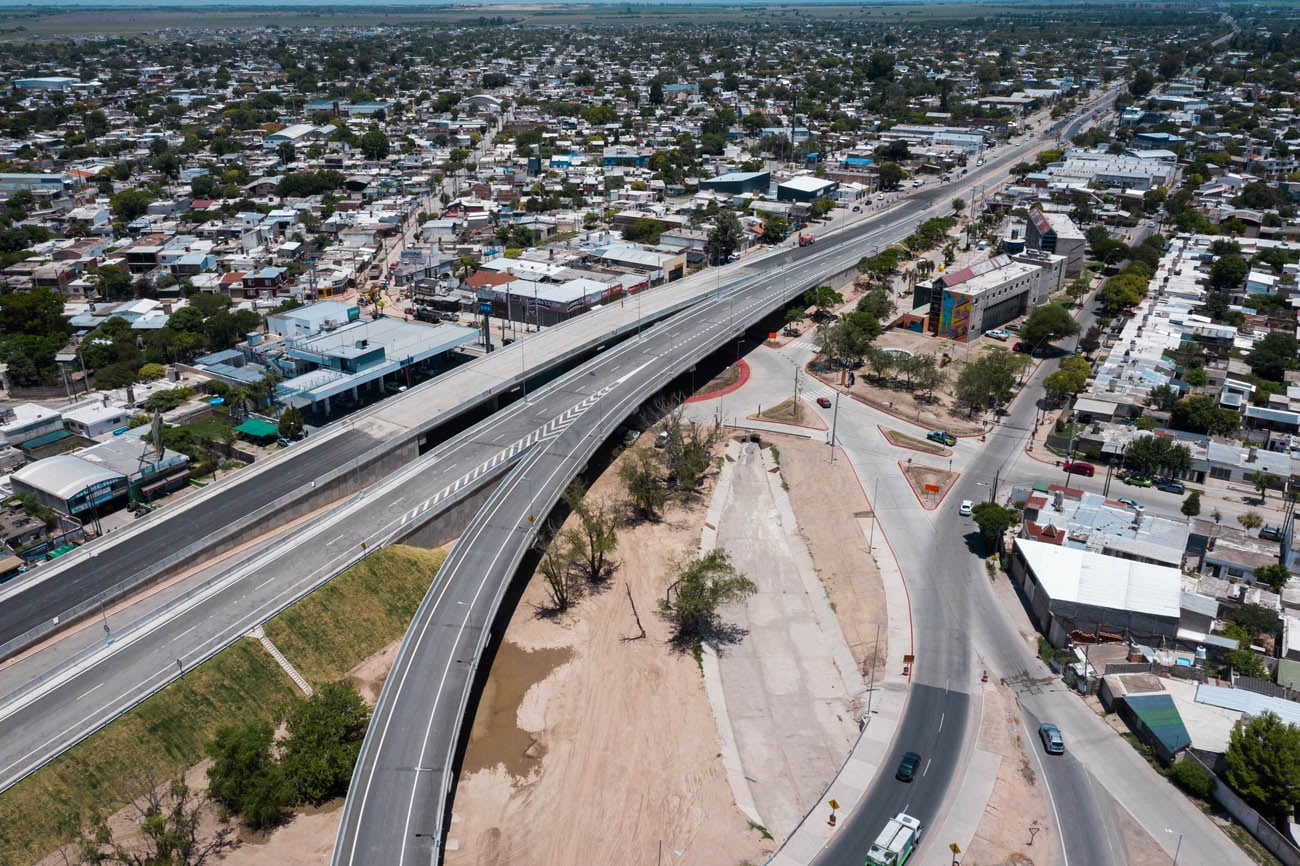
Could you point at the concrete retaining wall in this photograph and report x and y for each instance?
(1278, 844)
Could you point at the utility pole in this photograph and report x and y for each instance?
(835, 417)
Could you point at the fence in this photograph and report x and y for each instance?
(1277, 842)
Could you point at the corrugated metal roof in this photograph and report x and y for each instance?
(1248, 702)
(1070, 574)
(1161, 717)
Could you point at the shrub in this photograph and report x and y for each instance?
(1192, 778)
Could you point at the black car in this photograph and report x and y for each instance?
(907, 767)
(1172, 487)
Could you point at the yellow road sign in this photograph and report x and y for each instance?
(952, 846)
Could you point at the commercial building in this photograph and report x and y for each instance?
(739, 182)
(806, 188)
(72, 486)
(337, 366)
(1056, 233)
(1073, 593)
(970, 301)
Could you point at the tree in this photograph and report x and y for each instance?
(1142, 83)
(958, 205)
(291, 423)
(725, 236)
(1046, 323)
(1200, 414)
(596, 535)
(775, 228)
(1246, 663)
(1149, 455)
(989, 380)
(130, 204)
(325, 733)
(1262, 481)
(644, 478)
(1273, 356)
(1192, 504)
(993, 521)
(1228, 271)
(821, 207)
(1273, 575)
(1162, 397)
(1263, 761)
(877, 302)
(891, 174)
(167, 833)
(374, 144)
(700, 587)
(686, 453)
(562, 581)
(244, 776)
(286, 152)
(823, 298)
(112, 281)
(1250, 520)
(1068, 379)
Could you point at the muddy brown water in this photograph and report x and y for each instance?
(496, 737)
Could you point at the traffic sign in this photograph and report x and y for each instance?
(952, 846)
(485, 307)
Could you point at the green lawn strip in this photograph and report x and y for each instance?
(357, 614)
(154, 742)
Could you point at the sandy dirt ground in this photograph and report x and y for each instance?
(1019, 800)
(929, 483)
(623, 750)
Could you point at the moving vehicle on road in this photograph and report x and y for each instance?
(943, 437)
(1129, 503)
(966, 508)
(1077, 468)
(1137, 480)
(1053, 744)
(824, 402)
(806, 240)
(1171, 486)
(896, 842)
(907, 767)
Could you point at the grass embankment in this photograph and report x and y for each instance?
(324, 635)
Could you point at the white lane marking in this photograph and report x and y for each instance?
(88, 691)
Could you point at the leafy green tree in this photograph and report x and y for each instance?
(286, 152)
(112, 281)
(725, 236)
(130, 204)
(989, 380)
(1228, 271)
(1250, 520)
(993, 521)
(1162, 397)
(1046, 323)
(244, 776)
(1200, 414)
(877, 302)
(1150, 455)
(700, 587)
(823, 298)
(891, 174)
(1274, 355)
(325, 733)
(821, 207)
(1070, 378)
(775, 228)
(1246, 663)
(1273, 575)
(291, 423)
(1192, 504)
(1262, 481)
(641, 473)
(596, 536)
(374, 144)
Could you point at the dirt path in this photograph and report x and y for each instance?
(623, 744)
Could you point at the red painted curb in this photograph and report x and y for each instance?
(902, 466)
(734, 386)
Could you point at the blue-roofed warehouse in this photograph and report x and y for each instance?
(738, 182)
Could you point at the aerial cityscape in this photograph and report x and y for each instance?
(685, 433)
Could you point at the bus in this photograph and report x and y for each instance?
(896, 842)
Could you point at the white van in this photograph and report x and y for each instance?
(917, 182)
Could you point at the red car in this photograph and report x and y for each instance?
(1020, 347)
(824, 402)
